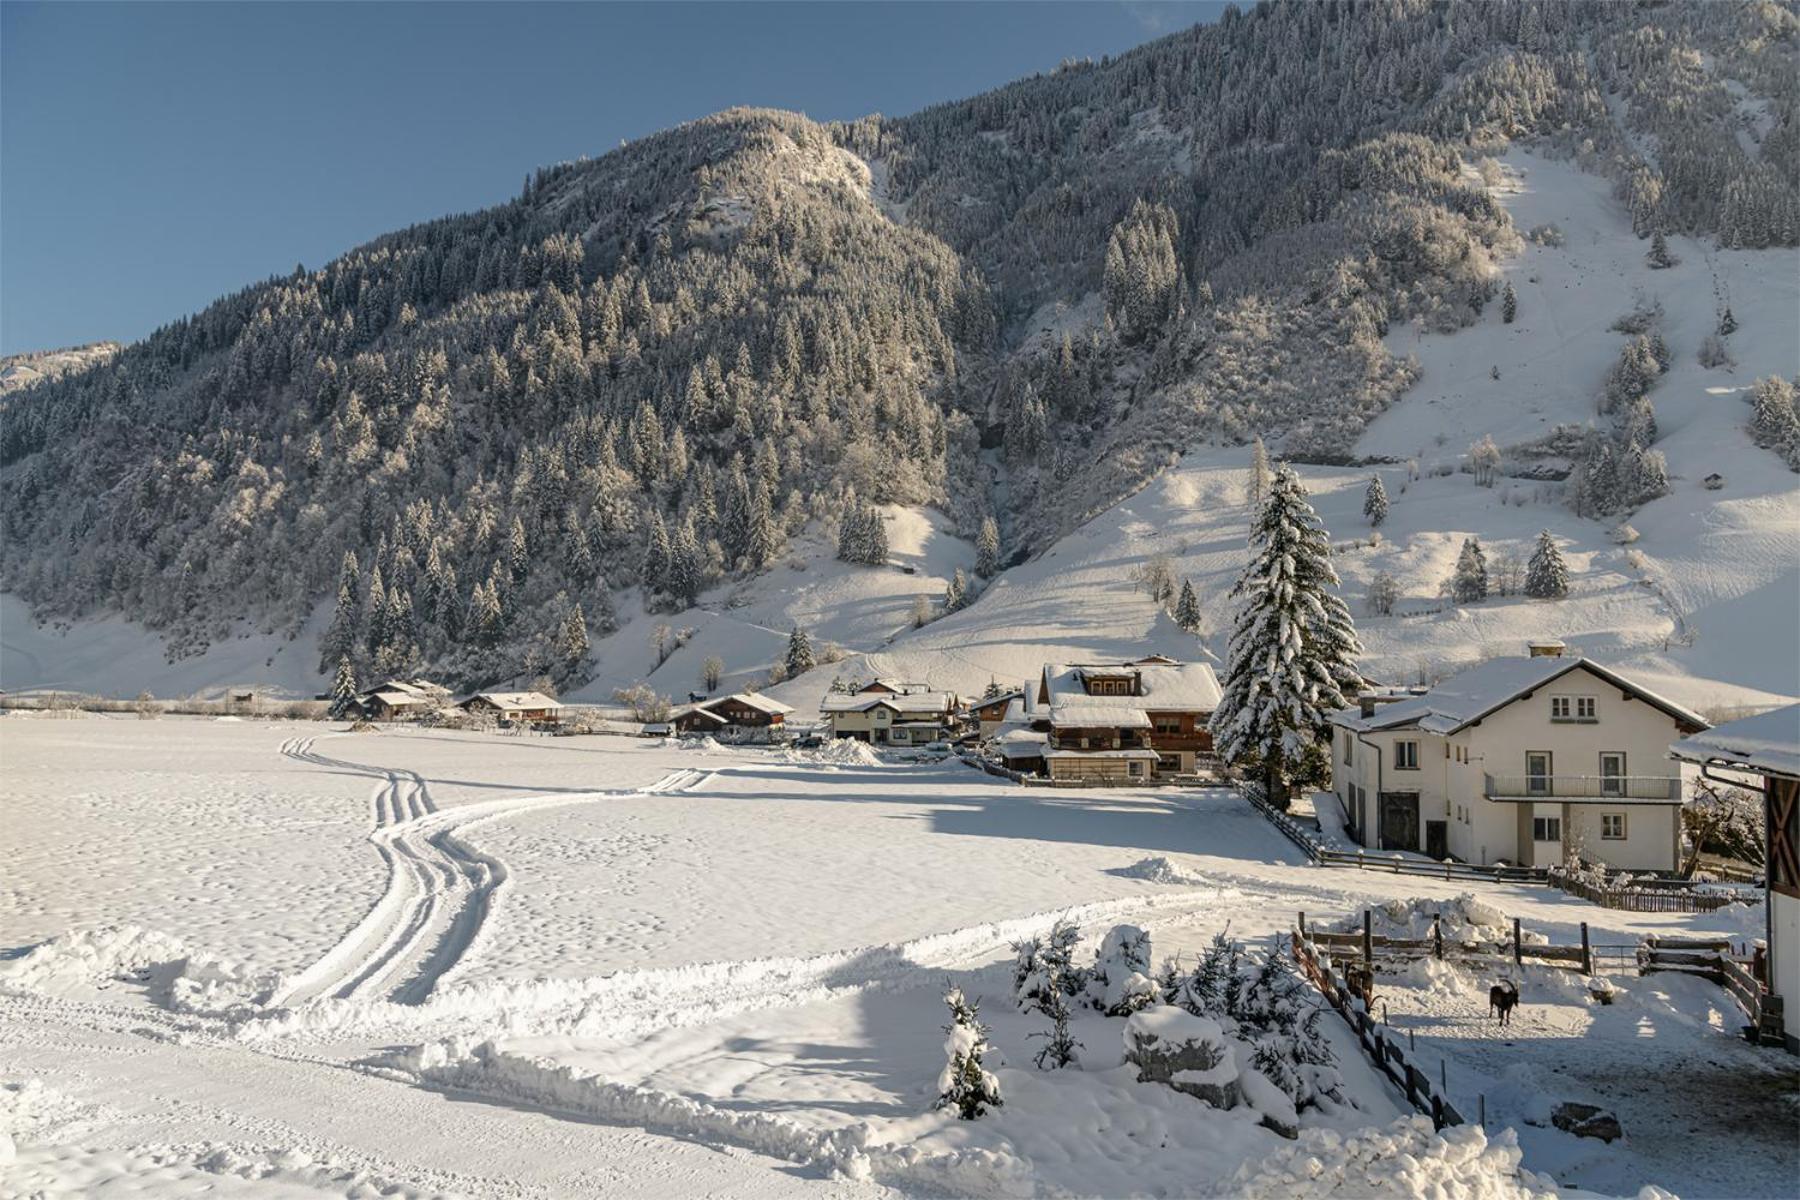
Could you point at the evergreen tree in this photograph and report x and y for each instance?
(965, 1085)
(518, 552)
(1546, 575)
(340, 637)
(1187, 608)
(574, 645)
(343, 689)
(1257, 489)
(1293, 646)
(987, 549)
(1375, 502)
(1509, 304)
(1470, 584)
(486, 616)
(799, 653)
(1727, 323)
(375, 612)
(656, 555)
(1659, 257)
(759, 530)
(956, 594)
(686, 566)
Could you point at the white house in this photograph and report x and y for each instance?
(1768, 745)
(884, 715)
(1530, 761)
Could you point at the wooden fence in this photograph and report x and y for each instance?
(1676, 896)
(1384, 1051)
(1370, 947)
(1711, 958)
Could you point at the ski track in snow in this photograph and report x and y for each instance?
(440, 888)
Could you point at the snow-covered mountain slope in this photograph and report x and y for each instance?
(22, 370)
(1705, 603)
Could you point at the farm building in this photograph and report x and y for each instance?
(989, 712)
(1767, 746)
(1533, 760)
(402, 699)
(742, 715)
(525, 708)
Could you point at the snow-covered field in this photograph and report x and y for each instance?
(265, 958)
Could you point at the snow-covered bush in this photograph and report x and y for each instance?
(1264, 1005)
(1120, 982)
(965, 1084)
(1043, 964)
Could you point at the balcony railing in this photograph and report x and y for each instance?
(1584, 787)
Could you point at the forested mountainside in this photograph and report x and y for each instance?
(653, 368)
(22, 370)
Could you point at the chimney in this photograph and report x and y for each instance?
(1366, 705)
(1545, 648)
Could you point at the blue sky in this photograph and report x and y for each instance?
(156, 156)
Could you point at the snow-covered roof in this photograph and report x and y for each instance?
(1768, 742)
(395, 699)
(1021, 743)
(1097, 712)
(1470, 695)
(518, 700)
(1001, 697)
(929, 702)
(1139, 753)
(696, 710)
(754, 700)
(1163, 686)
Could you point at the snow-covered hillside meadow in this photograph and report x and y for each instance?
(261, 958)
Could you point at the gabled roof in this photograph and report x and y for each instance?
(517, 699)
(1164, 685)
(910, 702)
(1468, 696)
(1006, 697)
(754, 700)
(1768, 742)
(696, 710)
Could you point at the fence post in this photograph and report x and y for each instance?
(1359, 858)
(1437, 935)
(1303, 936)
(1482, 1104)
(1369, 948)
(1587, 952)
(1518, 945)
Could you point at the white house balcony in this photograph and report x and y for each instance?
(1654, 789)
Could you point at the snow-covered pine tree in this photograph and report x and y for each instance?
(518, 552)
(875, 539)
(1059, 1045)
(987, 549)
(965, 1084)
(657, 553)
(574, 646)
(1375, 502)
(340, 640)
(1187, 608)
(759, 529)
(1293, 646)
(343, 688)
(956, 594)
(1509, 304)
(686, 565)
(1256, 489)
(1659, 257)
(1546, 576)
(799, 653)
(1470, 583)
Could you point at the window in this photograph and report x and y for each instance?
(1349, 748)
(1546, 829)
(1135, 769)
(1406, 756)
(1573, 708)
(1612, 826)
(1168, 725)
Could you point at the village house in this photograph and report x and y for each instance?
(741, 716)
(1127, 721)
(887, 713)
(1533, 761)
(1767, 746)
(522, 708)
(402, 700)
(988, 714)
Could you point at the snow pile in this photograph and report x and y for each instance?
(1464, 920)
(1405, 1159)
(175, 977)
(838, 752)
(1160, 869)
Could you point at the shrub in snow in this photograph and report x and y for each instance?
(1120, 982)
(1042, 964)
(1264, 1005)
(965, 1084)
(1059, 1045)
(1187, 1052)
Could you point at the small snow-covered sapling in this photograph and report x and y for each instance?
(964, 1083)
